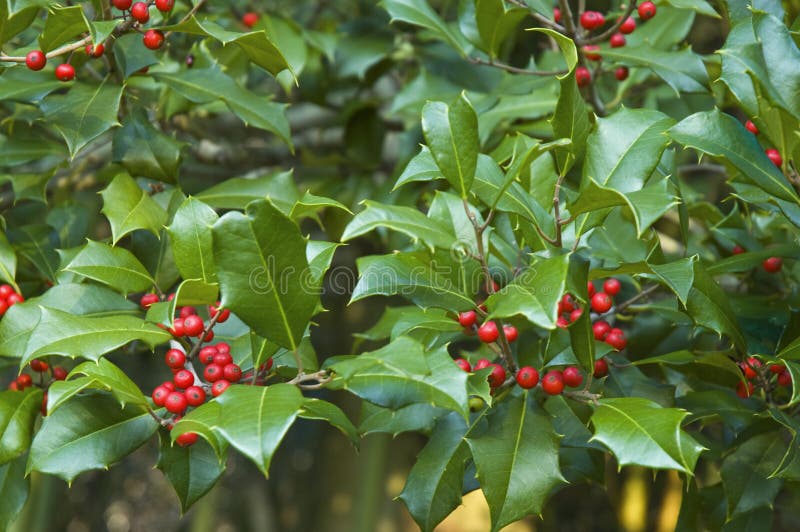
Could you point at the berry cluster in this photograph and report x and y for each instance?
(600, 302)
(757, 375)
(47, 375)
(8, 298)
(594, 20)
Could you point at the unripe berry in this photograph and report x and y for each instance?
(213, 373)
(751, 127)
(556, 15)
(175, 358)
(527, 377)
(39, 366)
(95, 51)
(647, 10)
(186, 439)
(572, 376)
(59, 373)
(463, 364)
(553, 382)
(193, 325)
(785, 378)
(183, 379)
(480, 364)
(195, 395)
(153, 39)
(774, 156)
(621, 73)
(744, 390)
(165, 5)
(24, 381)
(36, 60)
(582, 76)
(601, 302)
(497, 376)
(122, 5)
(140, 12)
(218, 387)
(590, 52)
(601, 328)
(468, 318)
(488, 332)
(773, 264)
(160, 395)
(591, 20)
(616, 340)
(612, 286)
(600, 368)
(65, 72)
(176, 403)
(222, 359)
(737, 250)
(250, 19)
(511, 333)
(628, 26)
(207, 354)
(232, 372)
(148, 299)
(617, 40)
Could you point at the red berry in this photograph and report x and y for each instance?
(175, 358)
(6, 290)
(601, 302)
(480, 364)
(14, 298)
(95, 51)
(511, 333)
(561, 322)
(195, 395)
(170, 297)
(527, 377)
(122, 5)
(582, 76)
(165, 5)
(40, 366)
(590, 52)
(748, 367)
(193, 325)
(208, 337)
(232, 372)
(590, 288)
(463, 363)
(556, 15)
(572, 376)
(785, 378)
(488, 332)
(591, 20)
(600, 368)
(497, 376)
(13, 386)
(250, 19)
(59, 373)
(176, 403)
(65, 72)
(616, 340)
(222, 359)
(267, 365)
(751, 127)
(3, 307)
(24, 381)
(774, 156)
(566, 304)
(178, 328)
(218, 387)
(207, 354)
(737, 250)
(153, 39)
(776, 368)
(773, 264)
(186, 439)
(140, 12)
(575, 315)
(148, 299)
(647, 10)
(612, 287)
(169, 385)
(621, 73)
(617, 40)
(628, 26)
(183, 378)
(187, 311)
(601, 328)
(160, 395)
(223, 315)
(468, 318)
(223, 347)
(43, 408)
(213, 372)
(553, 382)
(744, 390)
(36, 60)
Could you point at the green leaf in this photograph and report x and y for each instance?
(192, 471)
(263, 272)
(37, 243)
(115, 267)
(206, 85)
(406, 220)
(516, 456)
(237, 192)
(8, 261)
(684, 70)
(451, 132)
(641, 432)
(325, 411)
(410, 275)
(402, 373)
(709, 307)
(422, 167)
(751, 259)
(496, 23)
(145, 151)
(62, 25)
(191, 240)
(84, 113)
(416, 417)
(131, 55)
(18, 412)
(62, 333)
(721, 135)
(100, 375)
(717, 361)
(129, 208)
(434, 484)
(420, 13)
(14, 487)
(745, 473)
(570, 121)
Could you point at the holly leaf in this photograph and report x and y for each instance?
(192, 243)
(129, 208)
(745, 473)
(406, 220)
(14, 486)
(145, 151)
(18, 412)
(115, 267)
(100, 375)
(325, 411)
(420, 13)
(192, 471)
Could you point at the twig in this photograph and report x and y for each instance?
(161, 421)
(539, 18)
(196, 347)
(513, 69)
(321, 378)
(566, 14)
(614, 28)
(644, 293)
(583, 396)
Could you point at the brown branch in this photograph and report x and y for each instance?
(644, 293)
(539, 17)
(513, 69)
